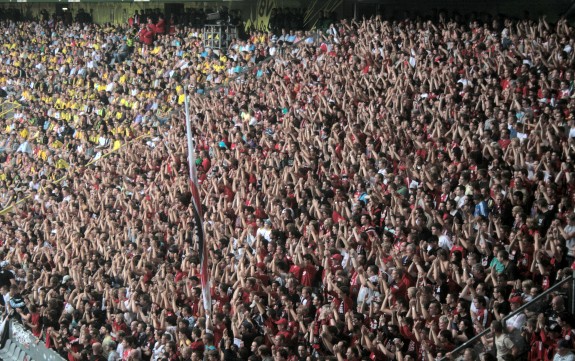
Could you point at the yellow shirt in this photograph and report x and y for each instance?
(42, 155)
(59, 104)
(62, 164)
(79, 135)
(24, 133)
(56, 144)
(26, 95)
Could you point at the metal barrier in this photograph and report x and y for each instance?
(8, 107)
(10, 207)
(566, 285)
(22, 345)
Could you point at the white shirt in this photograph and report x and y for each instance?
(567, 357)
(516, 322)
(158, 351)
(120, 349)
(110, 87)
(24, 148)
(445, 242)
(266, 233)
(570, 243)
(6, 298)
(365, 293)
(103, 141)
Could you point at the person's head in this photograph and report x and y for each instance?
(128, 342)
(503, 256)
(97, 348)
(110, 346)
(352, 353)
(445, 336)
(166, 337)
(170, 348)
(213, 355)
(434, 308)
(563, 347)
(558, 304)
(471, 258)
(469, 354)
(526, 285)
(443, 322)
(119, 317)
(515, 302)
(497, 327)
(397, 274)
(264, 351)
(480, 289)
(208, 339)
(479, 302)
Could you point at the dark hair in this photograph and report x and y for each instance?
(496, 326)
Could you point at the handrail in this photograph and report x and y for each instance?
(30, 344)
(10, 207)
(477, 337)
(3, 112)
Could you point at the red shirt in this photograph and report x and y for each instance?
(307, 275)
(399, 290)
(116, 327)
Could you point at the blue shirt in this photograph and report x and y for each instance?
(481, 209)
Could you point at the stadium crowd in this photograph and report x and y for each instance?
(384, 192)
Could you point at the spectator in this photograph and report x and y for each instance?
(564, 352)
(506, 350)
(360, 201)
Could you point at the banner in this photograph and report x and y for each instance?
(261, 19)
(198, 218)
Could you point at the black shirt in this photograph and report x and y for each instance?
(6, 277)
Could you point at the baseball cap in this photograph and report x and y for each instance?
(281, 321)
(516, 299)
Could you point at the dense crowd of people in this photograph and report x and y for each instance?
(386, 192)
